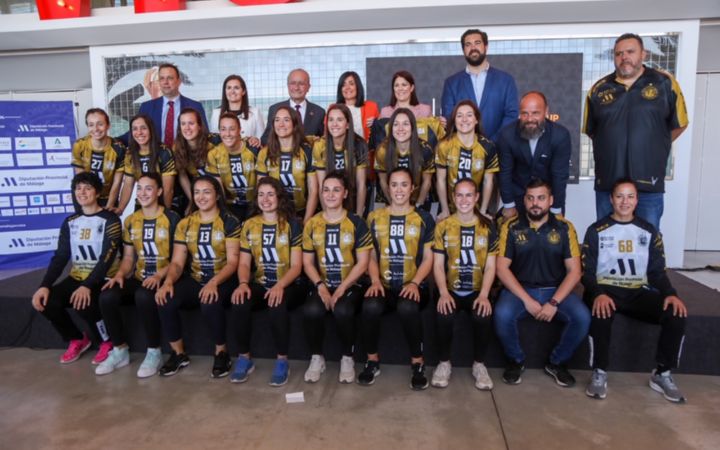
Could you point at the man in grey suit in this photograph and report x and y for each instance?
(312, 115)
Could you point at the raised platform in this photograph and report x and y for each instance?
(632, 349)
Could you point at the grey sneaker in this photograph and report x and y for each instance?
(664, 384)
(482, 377)
(597, 387)
(441, 375)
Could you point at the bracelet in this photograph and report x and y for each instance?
(243, 282)
(554, 302)
(412, 282)
(319, 282)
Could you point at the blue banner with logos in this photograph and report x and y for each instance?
(36, 141)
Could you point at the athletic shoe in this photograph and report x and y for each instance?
(102, 353)
(482, 377)
(281, 372)
(597, 387)
(664, 384)
(315, 369)
(151, 364)
(242, 370)
(369, 373)
(174, 364)
(560, 373)
(347, 370)
(76, 348)
(221, 365)
(513, 373)
(441, 375)
(418, 381)
(117, 358)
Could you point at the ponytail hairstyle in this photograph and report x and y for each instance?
(340, 176)
(476, 208)
(157, 178)
(219, 194)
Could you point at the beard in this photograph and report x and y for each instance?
(475, 58)
(531, 132)
(536, 217)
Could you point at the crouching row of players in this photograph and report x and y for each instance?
(208, 260)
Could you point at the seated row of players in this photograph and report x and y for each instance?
(206, 260)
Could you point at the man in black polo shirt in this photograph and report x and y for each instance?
(632, 116)
(539, 265)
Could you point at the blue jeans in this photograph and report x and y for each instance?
(572, 311)
(650, 206)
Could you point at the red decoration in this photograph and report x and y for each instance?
(260, 2)
(145, 6)
(63, 9)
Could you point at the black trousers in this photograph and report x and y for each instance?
(346, 309)
(373, 309)
(482, 327)
(58, 304)
(293, 296)
(644, 305)
(143, 299)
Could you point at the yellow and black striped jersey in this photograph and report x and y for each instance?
(427, 164)
(340, 156)
(335, 245)
(103, 162)
(400, 242)
(292, 171)
(466, 247)
(165, 164)
(152, 239)
(236, 172)
(462, 162)
(205, 242)
(270, 248)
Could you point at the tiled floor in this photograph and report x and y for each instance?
(710, 278)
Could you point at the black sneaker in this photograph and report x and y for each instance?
(367, 376)
(560, 373)
(221, 365)
(419, 381)
(513, 373)
(174, 364)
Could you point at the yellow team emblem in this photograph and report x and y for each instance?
(649, 92)
(606, 97)
(553, 237)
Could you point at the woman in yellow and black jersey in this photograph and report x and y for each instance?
(288, 158)
(465, 247)
(146, 154)
(270, 242)
(233, 163)
(336, 252)
(350, 155)
(192, 144)
(465, 153)
(206, 243)
(404, 148)
(101, 154)
(402, 239)
(147, 242)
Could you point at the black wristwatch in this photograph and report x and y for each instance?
(317, 285)
(554, 302)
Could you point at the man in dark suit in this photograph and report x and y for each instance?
(168, 106)
(533, 147)
(312, 115)
(493, 90)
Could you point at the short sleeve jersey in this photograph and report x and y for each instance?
(340, 157)
(205, 242)
(428, 162)
(400, 242)
(236, 172)
(462, 162)
(152, 240)
(192, 169)
(292, 171)
(165, 164)
(466, 247)
(270, 247)
(335, 245)
(103, 162)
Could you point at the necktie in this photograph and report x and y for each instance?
(169, 136)
(297, 108)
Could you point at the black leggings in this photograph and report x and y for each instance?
(346, 308)
(374, 307)
(293, 296)
(186, 296)
(482, 327)
(56, 312)
(144, 300)
(646, 306)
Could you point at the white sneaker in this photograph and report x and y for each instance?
(347, 370)
(117, 358)
(151, 364)
(482, 378)
(315, 369)
(441, 375)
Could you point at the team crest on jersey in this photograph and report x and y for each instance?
(162, 233)
(299, 165)
(219, 236)
(412, 231)
(481, 241)
(478, 164)
(248, 167)
(282, 239)
(649, 92)
(643, 240)
(347, 238)
(553, 237)
(606, 97)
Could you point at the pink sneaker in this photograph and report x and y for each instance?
(102, 353)
(76, 348)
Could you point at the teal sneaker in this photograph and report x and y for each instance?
(151, 364)
(280, 373)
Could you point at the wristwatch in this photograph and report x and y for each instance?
(317, 285)
(554, 302)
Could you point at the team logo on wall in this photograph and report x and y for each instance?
(553, 237)
(649, 92)
(606, 97)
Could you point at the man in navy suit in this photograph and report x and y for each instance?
(168, 105)
(533, 147)
(312, 115)
(493, 90)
